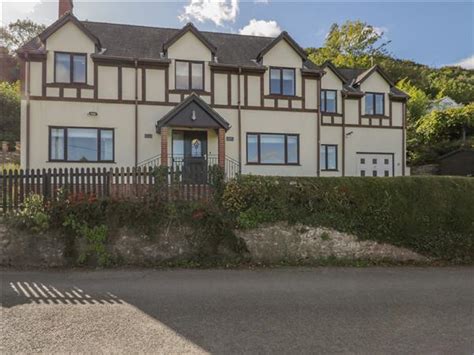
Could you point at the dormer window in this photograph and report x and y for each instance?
(328, 101)
(189, 75)
(70, 68)
(374, 103)
(282, 81)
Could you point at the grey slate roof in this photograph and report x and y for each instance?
(121, 40)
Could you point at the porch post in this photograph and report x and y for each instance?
(164, 146)
(221, 147)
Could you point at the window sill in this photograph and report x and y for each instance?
(82, 162)
(330, 170)
(374, 116)
(70, 85)
(270, 164)
(328, 113)
(285, 97)
(182, 91)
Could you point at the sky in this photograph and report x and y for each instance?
(435, 33)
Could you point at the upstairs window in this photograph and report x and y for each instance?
(189, 75)
(70, 68)
(282, 81)
(374, 103)
(328, 101)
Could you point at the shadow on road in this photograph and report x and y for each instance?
(282, 311)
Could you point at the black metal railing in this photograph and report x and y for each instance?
(193, 169)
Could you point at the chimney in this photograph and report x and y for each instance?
(65, 7)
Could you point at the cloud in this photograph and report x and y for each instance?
(261, 1)
(217, 11)
(380, 30)
(466, 63)
(261, 28)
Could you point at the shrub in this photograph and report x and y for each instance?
(32, 215)
(430, 215)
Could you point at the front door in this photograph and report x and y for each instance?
(194, 155)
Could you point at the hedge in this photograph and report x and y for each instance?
(433, 216)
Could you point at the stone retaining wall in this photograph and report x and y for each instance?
(267, 244)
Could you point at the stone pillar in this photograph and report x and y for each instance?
(164, 146)
(221, 147)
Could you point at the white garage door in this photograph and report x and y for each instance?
(375, 164)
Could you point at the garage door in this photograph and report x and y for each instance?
(375, 164)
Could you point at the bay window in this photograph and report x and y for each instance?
(75, 144)
(282, 81)
(269, 148)
(70, 68)
(189, 75)
(374, 103)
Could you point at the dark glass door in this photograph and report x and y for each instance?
(195, 157)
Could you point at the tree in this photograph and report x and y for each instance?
(418, 103)
(19, 32)
(9, 111)
(354, 43)
(450, 124)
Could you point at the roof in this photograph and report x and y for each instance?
(122, 41)
(193, 112)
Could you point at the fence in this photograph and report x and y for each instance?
(123, 183)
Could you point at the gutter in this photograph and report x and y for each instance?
(239, 119)
(27, 91)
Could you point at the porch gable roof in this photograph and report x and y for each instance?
(193, 112)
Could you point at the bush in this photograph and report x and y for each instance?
(433, 216)
(32, 215)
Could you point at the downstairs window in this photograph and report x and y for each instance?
(276, 149)
(75, 144)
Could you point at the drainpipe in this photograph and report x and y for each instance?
(27, 91)
(239, 119)
(318, 125)
(136, 112)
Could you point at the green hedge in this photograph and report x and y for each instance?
(430, 215)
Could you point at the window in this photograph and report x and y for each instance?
(386, 161)
(279, 149)
(362, 160)
(328, 157)
(70, 68)
(81, 144)
(189, 75)
(386, 173)
(362, 173)
(374, 161)
(374, 173)
(374, 104)
(328, 101)
(282, 81)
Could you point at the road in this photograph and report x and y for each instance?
(294, 310)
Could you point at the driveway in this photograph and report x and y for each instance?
(320, 310)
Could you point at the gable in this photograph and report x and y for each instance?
(331, 80)
(70, 38)
(190, 47)
(282, 54)
(375, 82)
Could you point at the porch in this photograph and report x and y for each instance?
(192, 142)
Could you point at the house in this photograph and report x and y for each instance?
(102, 94)
(443, 104)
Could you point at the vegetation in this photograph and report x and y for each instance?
(432, 215)
(429, 134)
(9, 111)
(19, 32)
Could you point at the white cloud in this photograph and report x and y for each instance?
(217, 11)
(261, 28)
(380, 30)
(261, 1)
(466, 63)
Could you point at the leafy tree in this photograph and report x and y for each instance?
(9, 111)
(450, 124)
(19, 32)
(354, 43)
(418, 103)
